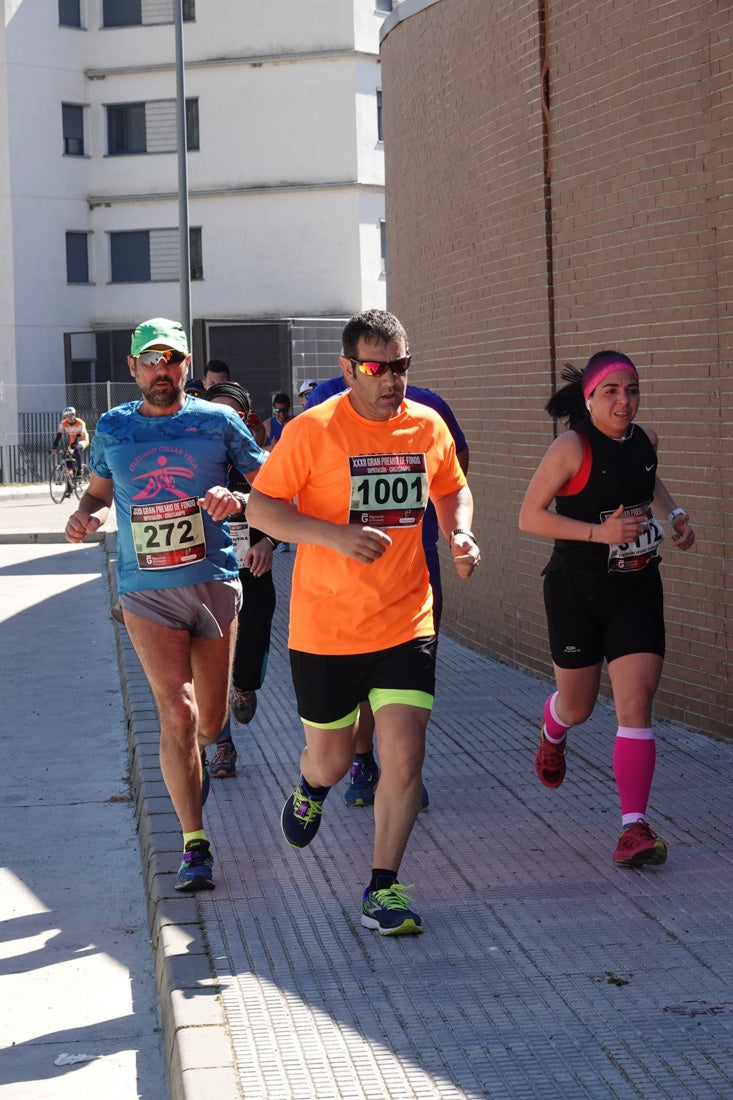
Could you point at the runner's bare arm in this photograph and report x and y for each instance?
(92, 511)
(683, 535)
(561, 462)
(220, 503)
(284, 522)
(455, 512)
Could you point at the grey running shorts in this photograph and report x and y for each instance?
(204, 610)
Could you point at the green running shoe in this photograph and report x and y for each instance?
(388, 912)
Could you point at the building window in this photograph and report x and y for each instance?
(121, 13)
(149, 127)
(129, 257)
(77, 258)
(383, 245)
(196, 254)
(70, 13)
(152, 256)
(72, 121)
(135, 13)
(383, 5)
(126, 130)
(192, 125)
(380, 129)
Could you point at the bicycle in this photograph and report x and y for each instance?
(65, 480)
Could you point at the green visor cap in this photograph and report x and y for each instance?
(159, 330)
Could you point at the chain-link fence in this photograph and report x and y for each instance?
(30, 417)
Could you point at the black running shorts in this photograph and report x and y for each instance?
(330, 688)
(588, 621)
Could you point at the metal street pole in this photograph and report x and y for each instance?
(184, 262)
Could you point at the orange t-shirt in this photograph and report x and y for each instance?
(344, 468)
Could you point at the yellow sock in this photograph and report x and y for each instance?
(200, 834)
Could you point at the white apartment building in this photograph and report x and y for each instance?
(285, 171)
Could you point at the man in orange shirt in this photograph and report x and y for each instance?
(361, 468)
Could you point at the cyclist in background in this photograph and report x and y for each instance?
(76, 430)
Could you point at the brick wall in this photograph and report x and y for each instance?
(501, 276)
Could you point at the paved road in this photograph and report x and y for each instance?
(544, 972)
(76, 974)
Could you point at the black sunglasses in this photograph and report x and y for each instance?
(374, 369)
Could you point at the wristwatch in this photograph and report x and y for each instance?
(676, 512)
(241, 501)
(462, 531)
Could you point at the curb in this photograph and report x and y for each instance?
(197, 1048)
(22, 492)
(15, 537)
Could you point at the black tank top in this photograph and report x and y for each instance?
(620, 472)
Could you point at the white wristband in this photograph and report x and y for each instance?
(674, 513)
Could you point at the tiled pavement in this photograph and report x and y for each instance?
(543, 971)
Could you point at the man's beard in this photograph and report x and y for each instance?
(162, 396)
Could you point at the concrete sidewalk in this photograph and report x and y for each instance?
(78, 1004)
(543, 972)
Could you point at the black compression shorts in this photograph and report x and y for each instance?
(330, 688)
(588, 622)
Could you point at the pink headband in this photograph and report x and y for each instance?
(603, 364)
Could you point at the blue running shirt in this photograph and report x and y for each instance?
(160, 467)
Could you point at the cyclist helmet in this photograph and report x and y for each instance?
(69, 411)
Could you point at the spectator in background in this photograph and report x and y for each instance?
(280, 416)
(216, 371)
(194, 387)
(305, 391)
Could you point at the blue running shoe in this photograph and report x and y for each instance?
(205, 779)
(388, 912)
(301, 818)
(197, 869)
(363, 779)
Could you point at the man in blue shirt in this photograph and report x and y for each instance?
(364, 773)
(163, 460)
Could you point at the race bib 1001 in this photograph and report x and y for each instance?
(389, 490)
(168, 534)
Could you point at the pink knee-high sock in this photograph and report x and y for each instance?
(634, 756)
(555, 730)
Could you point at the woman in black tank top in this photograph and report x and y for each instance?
(603, 592)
